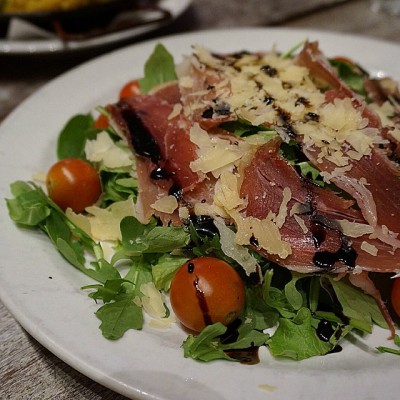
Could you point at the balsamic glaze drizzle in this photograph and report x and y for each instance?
(202, 302)
(319, 228)
(325, 330)
(159, 174)
(142, 141)
(190, 267)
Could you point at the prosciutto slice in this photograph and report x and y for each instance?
(313, 232)
(158, 125)
(378, 196)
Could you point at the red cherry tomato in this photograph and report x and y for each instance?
(101, 122)
(206, 290)
(130, 89)
(73, 183)
(396, 296)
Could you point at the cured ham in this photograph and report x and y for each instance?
(373, 180)
(184, 150)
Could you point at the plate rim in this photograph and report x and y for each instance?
(56, 46)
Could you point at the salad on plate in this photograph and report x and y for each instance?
(250, 197)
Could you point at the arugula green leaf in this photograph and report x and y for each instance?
(158, 69)
(117, 186)
(119, 316)
(297, 339)
(360, 308)
(138, 238)
(350, 74)
(29, 207)
(256, 310)
(71, 140)
(277, 300)
(32, 208)
(107, 292)
(247, 337)
(242, 127)
(121, 312)
(139, 273)
(293, 49)
(390, 350)
(164, 270)
(293, 295)
(205, 346)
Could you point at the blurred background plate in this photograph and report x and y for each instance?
(85, 27)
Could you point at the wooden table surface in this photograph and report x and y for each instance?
(27, 369)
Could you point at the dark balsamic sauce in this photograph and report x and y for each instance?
(208, 113)
(286, 122)
(268, 100)
(245, 356)
(302, 100)
(140, 137)
(311, 117)
(159, 174)
(254, 241)
(326, 259)
(176, 191)
(270, 71)
(319, 228)
(190, 267)
(202, 302)
(222, 109)
(325, 330)
(204, 225)
(336, 349)
(290, 131)
(318, 234)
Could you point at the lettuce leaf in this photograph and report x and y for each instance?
(158, 69)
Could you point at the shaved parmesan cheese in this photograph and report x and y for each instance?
(369, 248)
(40, 177)
(175, 111)
(214, 152)
(283, 209)
(80, 220)
(264, 231)
(152, 300)
(167, 204)
(239, 253)
(103, 223)
(209, 209)
(183, 213)
(104, 150)
(301, 223)
(162, 323)
(354, 229)
(227, 191)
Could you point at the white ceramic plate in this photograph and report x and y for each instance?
(55, 45)
(43, 291)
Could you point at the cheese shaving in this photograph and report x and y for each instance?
(167, 204)
(369, 248)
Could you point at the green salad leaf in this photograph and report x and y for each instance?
(350, 74)
(72, 139)
(243, 128)
(384, 349)
(158, 69)
(32, 208)
(290, 332)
